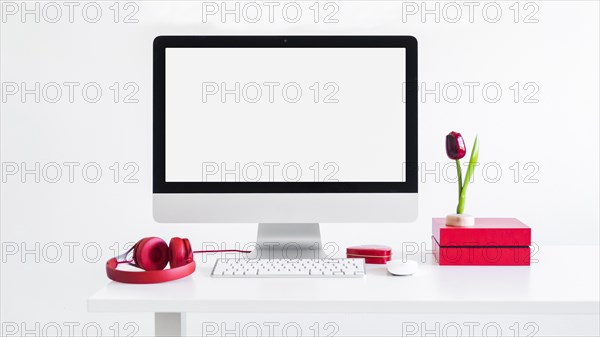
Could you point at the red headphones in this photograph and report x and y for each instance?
(152, 254)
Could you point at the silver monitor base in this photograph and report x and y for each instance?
(288, 241)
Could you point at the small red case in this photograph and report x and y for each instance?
(373, 254)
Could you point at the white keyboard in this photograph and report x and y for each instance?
(240, 268)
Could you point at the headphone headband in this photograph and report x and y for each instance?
(147, 277)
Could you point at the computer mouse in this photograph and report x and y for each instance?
(402, 268)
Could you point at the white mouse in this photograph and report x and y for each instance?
(402, 268)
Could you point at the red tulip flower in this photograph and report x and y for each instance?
(456, 150)
(455, 146)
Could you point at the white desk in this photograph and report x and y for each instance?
(565, 280)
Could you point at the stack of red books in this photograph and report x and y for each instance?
(491, 242)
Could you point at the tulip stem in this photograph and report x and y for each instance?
(459, 175)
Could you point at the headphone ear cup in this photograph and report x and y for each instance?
(151, 253)
(180, 252)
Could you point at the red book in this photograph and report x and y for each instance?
(486, 232)
(481, 256)
(491, 242)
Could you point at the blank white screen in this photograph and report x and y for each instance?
(285, 114)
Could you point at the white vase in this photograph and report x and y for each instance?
(460, 220)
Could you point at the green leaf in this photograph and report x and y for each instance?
(472, 163)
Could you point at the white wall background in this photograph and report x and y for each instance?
(557, 137)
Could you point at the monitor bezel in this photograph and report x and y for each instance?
(160, 185)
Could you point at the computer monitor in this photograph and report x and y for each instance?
(285, 131)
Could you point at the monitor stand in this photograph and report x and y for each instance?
(288, 241)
